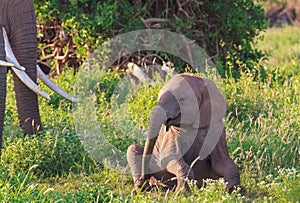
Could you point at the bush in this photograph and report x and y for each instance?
(55, 151)
(88, 21)
(222, 28)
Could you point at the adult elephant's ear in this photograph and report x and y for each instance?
(212, 105)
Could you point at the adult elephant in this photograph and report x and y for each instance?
(18, 19)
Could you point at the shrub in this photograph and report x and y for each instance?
(222, 28)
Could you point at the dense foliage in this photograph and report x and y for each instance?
(225, 29)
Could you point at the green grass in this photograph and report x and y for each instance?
(263, 127)
(282, 45)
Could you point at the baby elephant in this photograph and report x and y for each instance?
(186, 138)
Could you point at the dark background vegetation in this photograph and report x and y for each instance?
(226, 30)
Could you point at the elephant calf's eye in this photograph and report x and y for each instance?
(181, 98)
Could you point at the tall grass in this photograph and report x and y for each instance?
(263, 125)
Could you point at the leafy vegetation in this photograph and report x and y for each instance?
(226, 30)
(263, 126)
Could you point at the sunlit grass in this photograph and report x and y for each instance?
(282, 45)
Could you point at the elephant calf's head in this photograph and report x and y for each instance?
(191, 100)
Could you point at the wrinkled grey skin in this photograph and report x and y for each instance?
(190, 107)
(18, 19)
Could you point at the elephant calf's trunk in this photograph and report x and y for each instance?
(158, 117)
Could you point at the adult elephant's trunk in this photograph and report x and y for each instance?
(3, 71)
(158, 117)
(23, 41)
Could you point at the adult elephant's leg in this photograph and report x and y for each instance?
(22, 36)
(3, 71)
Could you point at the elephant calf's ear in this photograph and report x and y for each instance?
(212, 105)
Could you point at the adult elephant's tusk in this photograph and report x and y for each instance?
(29, 83)
(41, 75)
(8, 64)
(19, 70)
(14, 65)
(4, 63)
(10, 57)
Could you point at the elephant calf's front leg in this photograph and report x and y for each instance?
(182, 171)
(231, 176)
(134, 159)
(224, 166)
